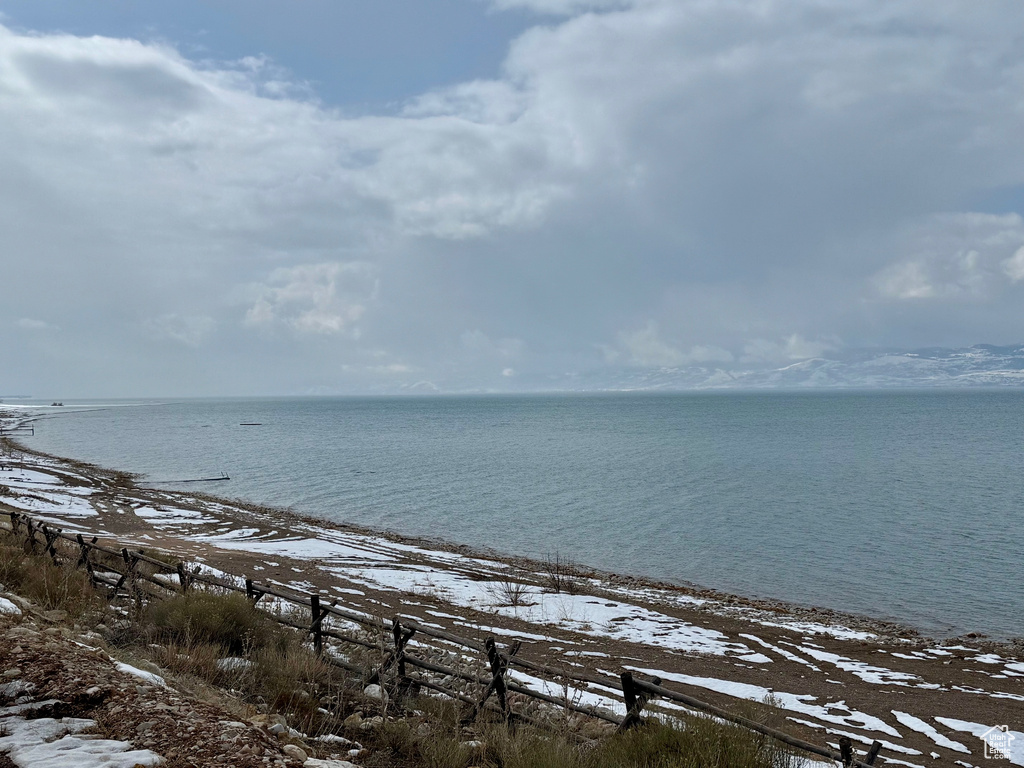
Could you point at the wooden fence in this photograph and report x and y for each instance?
(117, 570)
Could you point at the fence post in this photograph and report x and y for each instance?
(635, 701)
(499, 666)
(84, 559)
(873, 752)
(30, 536)
(130, 562)
(846, 750)
(183, 578)
(314, 627)
(50, 537)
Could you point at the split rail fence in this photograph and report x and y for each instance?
(120, 574)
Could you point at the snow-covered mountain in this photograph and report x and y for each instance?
(983, 365)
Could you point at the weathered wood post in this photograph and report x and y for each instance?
(499, 666)
(130, 563)
(83, 560)
(183, 578)
(635, 700)
(314, 628)
(846, 750)
(50, 536)
(400, 637)
(30, 536)
(498, 670)
(873, 752)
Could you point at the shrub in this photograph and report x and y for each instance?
(561, 574)
(229, 621)
(49, 586)
(508, 590)
(702, 742)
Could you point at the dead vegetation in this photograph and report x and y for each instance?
(214, 640)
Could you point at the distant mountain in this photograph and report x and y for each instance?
(983, 365)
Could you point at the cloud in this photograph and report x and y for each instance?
(477, 343)
(645, 347)
(793, 347)
(31, 324)
(1014, 266)
(189, 330)
(689, 183)
(957, 257)
(327, 298)
(563, 7)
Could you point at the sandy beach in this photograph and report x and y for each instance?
(927, 701)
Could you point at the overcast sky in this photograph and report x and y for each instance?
(334, 196)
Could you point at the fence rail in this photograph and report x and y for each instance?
(119, 572)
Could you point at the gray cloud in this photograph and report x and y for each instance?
(650, 183)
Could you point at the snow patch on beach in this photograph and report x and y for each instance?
(50, 503)
(299, 548)
(584, 614)
(866, 672)
(836, 712)
(160, 516)
(813, 628)
(979, 730)
(578, 696)
(921, 726)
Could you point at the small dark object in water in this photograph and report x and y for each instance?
(251, 424)
(55, 403)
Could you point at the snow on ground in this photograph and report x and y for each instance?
(28, 478)
(1016, 739)
(921, 726)
(507, 632)
(48, 743)
(781, 651)
(301, 548)
(53, 505)
(813, 628)
(836, 712)
(6, 606)
(577, 696)
(161, 516)
(866, 672)
(585, 614)
(142, 674)
(858, 737)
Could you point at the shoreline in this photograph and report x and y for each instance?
(830, 673)
(890, 628)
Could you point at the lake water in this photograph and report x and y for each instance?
(904, 505)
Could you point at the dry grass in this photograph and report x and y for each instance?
(49, 586)
(273, 669)
(696, 742)
(223, 640)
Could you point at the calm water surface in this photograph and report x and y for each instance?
(902, 505)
